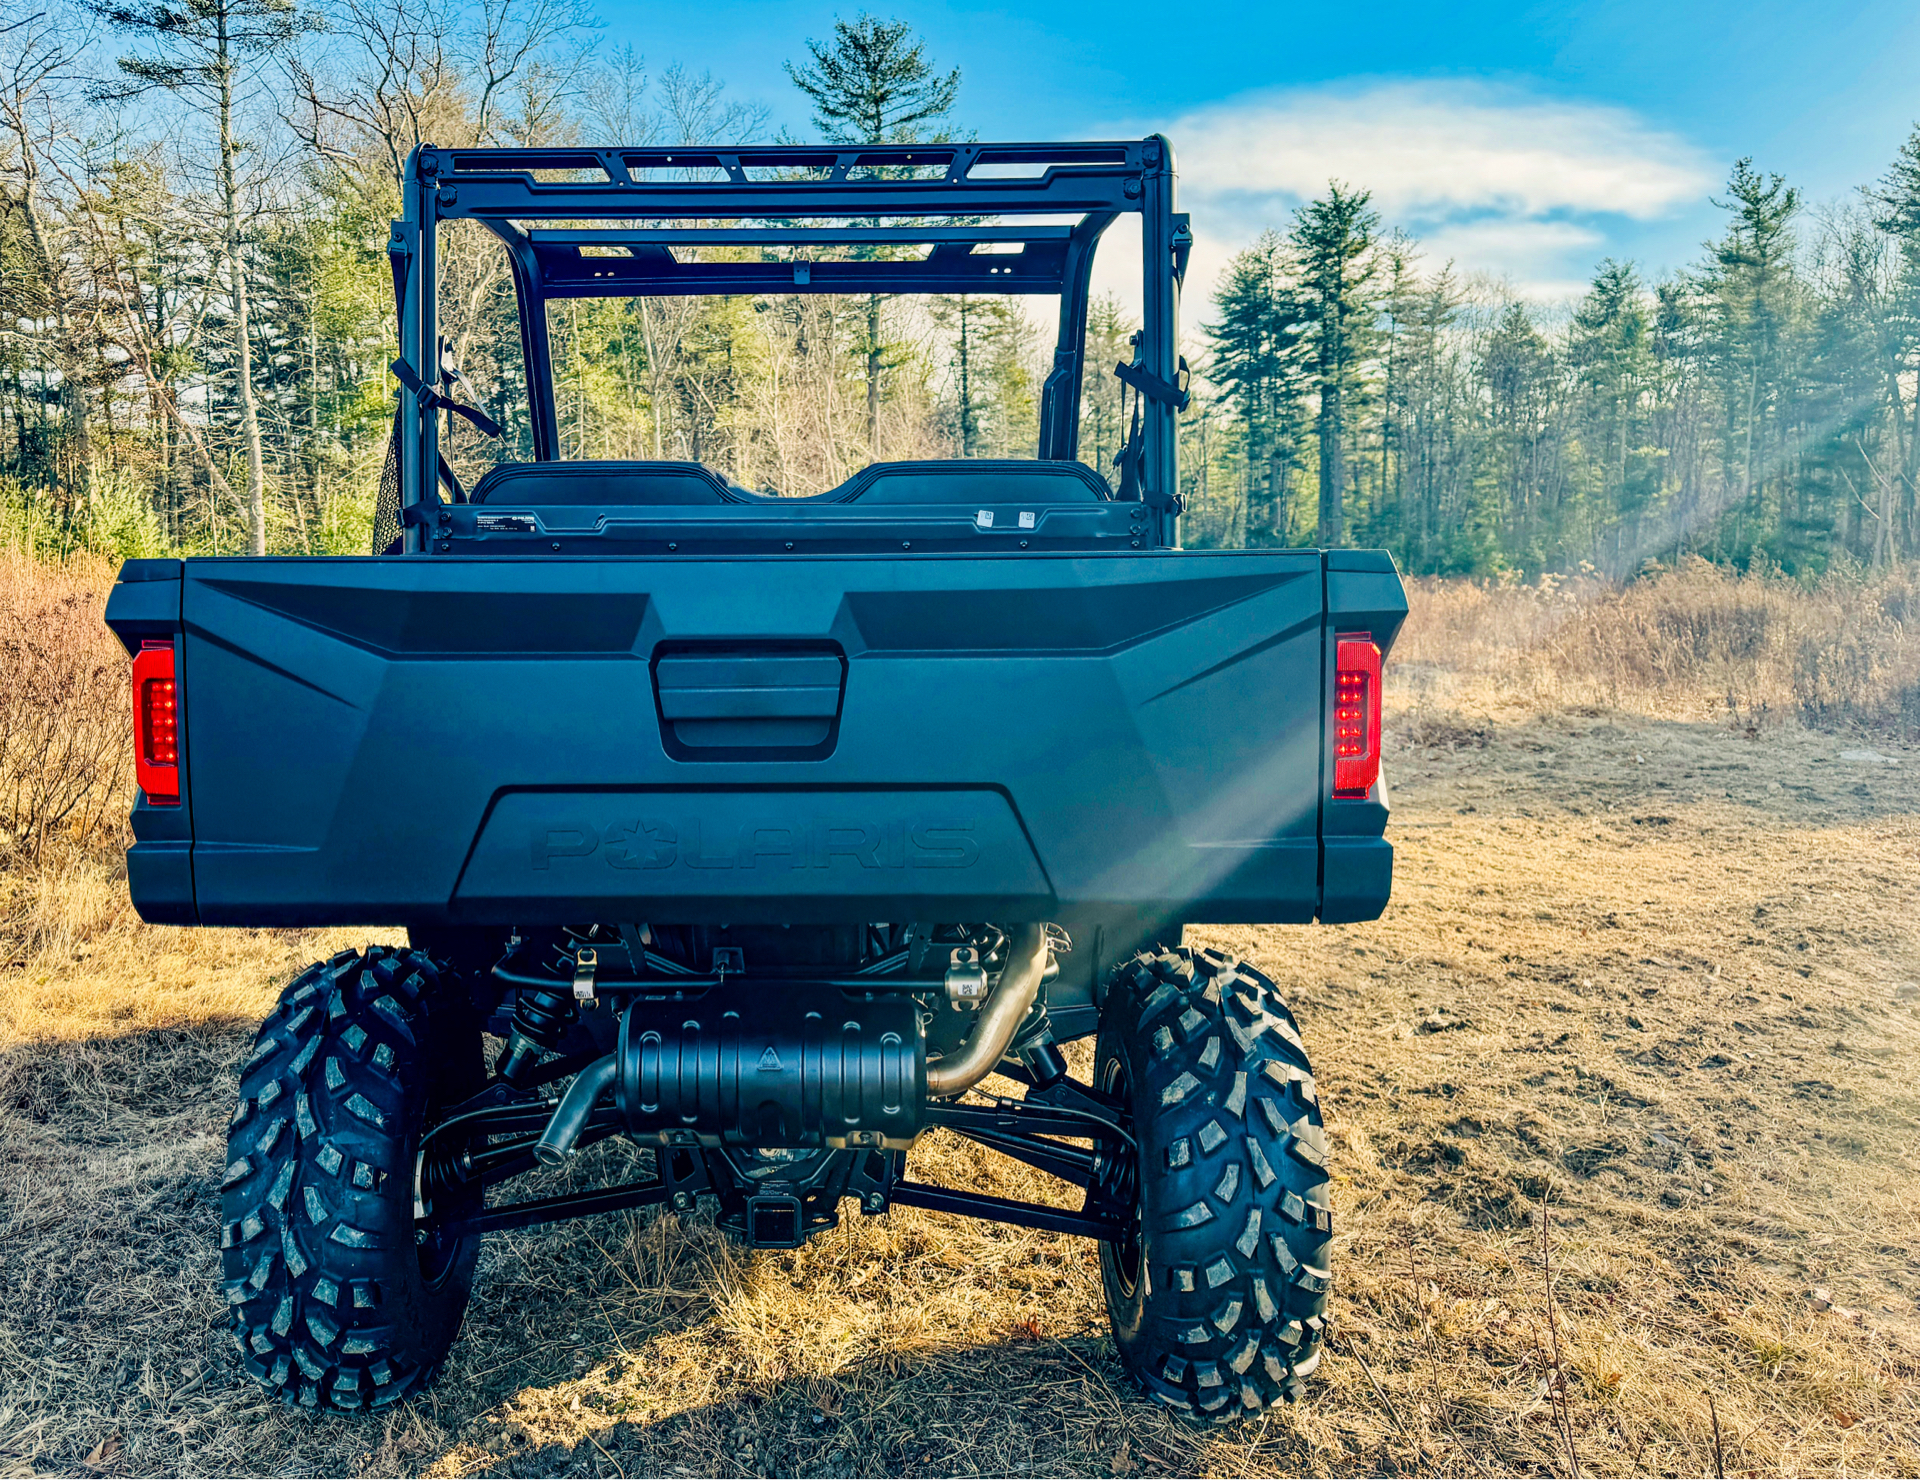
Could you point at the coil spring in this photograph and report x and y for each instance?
(540, 1019)
(543, 1016)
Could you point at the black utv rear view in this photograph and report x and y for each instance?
(761, 830)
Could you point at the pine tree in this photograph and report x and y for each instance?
(1898, 195)
(1753, 274)
(1332, 241)
(1610, 346)
(873, 84)
(1110, 331)
(1258, 363)
(1431, 410)
(994, 409)
(1897, 198)
(1400, 305)
(1518, 368)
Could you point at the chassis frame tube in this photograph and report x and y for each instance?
(571, 1205)
(1019, 1129)
(1005, 1210)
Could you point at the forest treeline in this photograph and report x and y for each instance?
(196, 319)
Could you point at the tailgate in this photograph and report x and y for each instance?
(756, 740)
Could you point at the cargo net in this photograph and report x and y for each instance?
(389, 534)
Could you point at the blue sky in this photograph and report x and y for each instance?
(1526, 141)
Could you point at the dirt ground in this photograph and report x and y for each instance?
(1641, 1023)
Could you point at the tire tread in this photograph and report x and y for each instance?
(312, 1183)
(1237, 1215)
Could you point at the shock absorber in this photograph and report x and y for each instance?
(541, 1017)
(540, 1020)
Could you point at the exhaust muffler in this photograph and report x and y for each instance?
(802, 1066)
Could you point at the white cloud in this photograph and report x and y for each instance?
(1500, 180)
(1520, 252)
(1502, 241)
(1432, 149)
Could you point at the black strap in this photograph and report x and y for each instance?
(1132, 464)
(401, 260)
(1147, 383)
(1133, 452)
(430, 398)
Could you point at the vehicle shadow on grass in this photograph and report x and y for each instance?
(1011, 1406)
(913, 1343)
(95, 1087)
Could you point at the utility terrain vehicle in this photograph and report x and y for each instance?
(761, 830)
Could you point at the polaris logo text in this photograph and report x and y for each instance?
(656, 843)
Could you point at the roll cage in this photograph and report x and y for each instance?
(1039, 209)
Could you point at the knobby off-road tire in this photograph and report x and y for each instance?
(1218, 1300)
(336, 1303)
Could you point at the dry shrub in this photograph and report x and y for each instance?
(1840, 654)
(1689, 635)
(1861, 668)
(1682, 627)
(65, 756)
(65, 746)
(1469, 626)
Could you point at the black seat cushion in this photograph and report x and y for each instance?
(604, 483)
(973, 481)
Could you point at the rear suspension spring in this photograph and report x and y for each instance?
(540, 1020)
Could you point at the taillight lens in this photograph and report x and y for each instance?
(156, 724)
(1356, 715)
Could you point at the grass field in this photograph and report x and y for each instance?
(1621, 1092)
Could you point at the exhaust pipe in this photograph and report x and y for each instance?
(1003, 1013)
(576, 1108)
(873, 1100)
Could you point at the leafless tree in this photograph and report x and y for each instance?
(37, 56)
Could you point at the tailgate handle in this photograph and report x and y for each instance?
(779, 699)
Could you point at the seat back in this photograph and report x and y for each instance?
(608, 483)
(965, 482)
(973, 481)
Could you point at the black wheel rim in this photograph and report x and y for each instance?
(446, 1189)
(1119, 1187)
(442, 1197)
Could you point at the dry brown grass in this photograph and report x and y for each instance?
(64, 752)
(1641, 1019)
(1697, 641)
(65, 760)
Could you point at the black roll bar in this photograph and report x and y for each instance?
(947, 199)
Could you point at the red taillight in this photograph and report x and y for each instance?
(156, 724)
(1356, 715)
